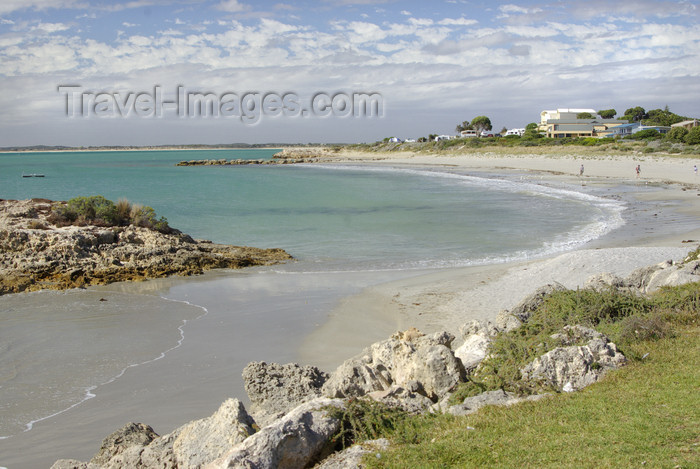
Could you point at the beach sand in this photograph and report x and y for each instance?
(663, 222)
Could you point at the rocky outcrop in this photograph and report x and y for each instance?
(408, 359)
(35, 255)
(300, 438)
(289, 156)
(275, 389)
(649, 279)
(572, 367)
(478, 336)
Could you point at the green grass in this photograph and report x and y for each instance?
(645, 415)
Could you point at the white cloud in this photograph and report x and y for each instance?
(50, 27)
(232, 6)
(457, 22)
(8, 6)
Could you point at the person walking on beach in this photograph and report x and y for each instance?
(695, 169)
(639, 170)
(580, 172)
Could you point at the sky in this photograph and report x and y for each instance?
(158, 72)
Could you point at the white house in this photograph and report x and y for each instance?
(518, 132)
(443, 137)
(564, 114)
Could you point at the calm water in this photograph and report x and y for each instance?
(66, 356)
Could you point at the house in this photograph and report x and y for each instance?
(687, 124)
(563, 123)
(518, 132)
(564, 113)
(626, 130)
(443, 137)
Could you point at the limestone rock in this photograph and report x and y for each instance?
(72, 464)
(351, 458)
(574, 367)
(498, 397)
(204, 440)
(297, 440)
(275, 389)
(399, 360)
(410, 399)
(478, 337)
(132, 434)
(527, 306)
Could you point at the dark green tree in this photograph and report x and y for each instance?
(693, 136)
(584, 115)
(464, 126)
(635, 114)
(676, 134)
(646, 133)
(607, 113)
(662, 117)
(481, 123)
(531, 131)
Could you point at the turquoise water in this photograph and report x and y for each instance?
(334, 217)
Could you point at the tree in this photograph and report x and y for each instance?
(504, 130)
(676, 134)
(532, 132)
(584, 115)
(481, 123)
(646, 133)
(663, 117)
(607, 113)
(693, 136)
(464, 126)
(431, 137)
(635, 114)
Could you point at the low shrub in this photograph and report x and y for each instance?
(96, 210)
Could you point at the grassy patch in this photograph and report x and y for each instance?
(645, 415)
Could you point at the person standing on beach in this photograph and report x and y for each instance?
(580, 172)
(695, 169)
(639, 170)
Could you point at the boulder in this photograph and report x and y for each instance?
(400, 360)
(574, 367)
(530, 303)
(498, 397)
(204, 440)
(351, 458)
(130, 435)
(275, 389)
(297, 440)
(411, 399)
(478, 336)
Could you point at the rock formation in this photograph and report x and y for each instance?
(35, 255)
(276, 389)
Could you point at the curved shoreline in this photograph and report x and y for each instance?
(449, 297)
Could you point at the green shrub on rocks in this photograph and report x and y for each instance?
(99, 211)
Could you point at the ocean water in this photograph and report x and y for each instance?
(102, 354)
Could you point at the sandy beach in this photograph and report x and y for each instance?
(662, 223)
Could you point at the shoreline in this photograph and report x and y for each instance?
(445, 299)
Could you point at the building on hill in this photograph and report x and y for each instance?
(687, 124)
(564, 123)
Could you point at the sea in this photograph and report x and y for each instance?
(77, 365)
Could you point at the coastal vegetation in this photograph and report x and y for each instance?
(644, 414)
(98, 211)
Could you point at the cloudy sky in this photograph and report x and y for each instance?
(65, 63)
